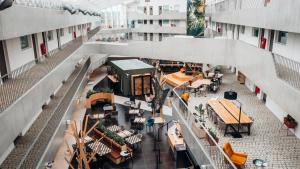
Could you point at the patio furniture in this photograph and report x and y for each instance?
(99, 148)
(150, 123)
(125, 133)
(114, 128)
(115, 147)
(238, 159)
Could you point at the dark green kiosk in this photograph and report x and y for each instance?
(134, 76)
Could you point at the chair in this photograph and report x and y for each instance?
(138, 106)
(215, 118)
(150, 123)
(203, 90)
(221, 124)
(238, 159)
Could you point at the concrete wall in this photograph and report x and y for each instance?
(290, 50)
(67, 37)
(17, 56)
(247, 37)
(257, 64)
(52, 44)
(14, 19)
(21, 114)
(278, 15)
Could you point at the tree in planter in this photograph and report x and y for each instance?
(201, 112)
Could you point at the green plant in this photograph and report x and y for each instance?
(99, 90)
(213, 134)
(110, 134)
(201, 112)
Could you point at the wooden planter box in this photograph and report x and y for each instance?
(200, 132)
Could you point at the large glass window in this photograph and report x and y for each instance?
(282, 37)
(24, 40)
(165, 21)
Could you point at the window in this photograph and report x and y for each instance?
(176, 8)
(165, 21)
(242, 29)
(145, 10)
(50, 35)
(24, 42)
(151, 10)
(79, 27)
(151, 36)
(62, 32)
(145, 36)
(282, 37)
(160, 10)
(255, 32)
(151, 22)
(230, 26)
(140, 21)
(70, 29)
(140, 34)
(145, 22)
(160, 37)
(166, 8)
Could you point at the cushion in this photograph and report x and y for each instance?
(238, 159)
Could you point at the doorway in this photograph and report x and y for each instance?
(271, 40)
(3, 66)
(34, 44)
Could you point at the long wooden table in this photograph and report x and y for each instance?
(229, 113)
(176, 143)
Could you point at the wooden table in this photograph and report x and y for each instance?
(199, 82)
(229, 113)
(176, 141)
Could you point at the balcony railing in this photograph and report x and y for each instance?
(232, 5)
(16, 83)
(288, 70)
(211, 157)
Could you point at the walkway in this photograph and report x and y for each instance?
(14, 88)
(30, 147)
(267, 140)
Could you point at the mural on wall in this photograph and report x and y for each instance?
(195, 17)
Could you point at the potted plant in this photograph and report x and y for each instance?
(201, 112)
(213, 134)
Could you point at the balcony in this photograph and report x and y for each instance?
(171, 15)
(160, 29)
(25, 91)
(257, 13)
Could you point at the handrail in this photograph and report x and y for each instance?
(157, 140)
(206, 131)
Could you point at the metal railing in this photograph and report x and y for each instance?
(288, 70)
(40, 143)
(16, 83)
(207, 155)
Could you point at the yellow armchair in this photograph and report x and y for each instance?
(238, 159)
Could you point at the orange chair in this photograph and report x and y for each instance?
(238, 159)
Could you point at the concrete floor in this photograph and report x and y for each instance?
(268, 141)
(145, 159)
